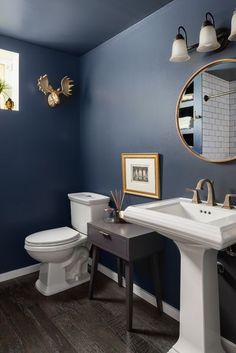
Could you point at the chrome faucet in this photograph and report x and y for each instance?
(210, 191)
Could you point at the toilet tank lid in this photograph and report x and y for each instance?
(89, 198)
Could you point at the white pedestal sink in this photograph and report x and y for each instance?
(199, 231)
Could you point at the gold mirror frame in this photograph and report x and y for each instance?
(220, 61)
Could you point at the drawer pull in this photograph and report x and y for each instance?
(106, 235)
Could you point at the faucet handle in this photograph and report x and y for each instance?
(227, 201)
(196, 198)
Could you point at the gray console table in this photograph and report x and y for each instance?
(128, 242)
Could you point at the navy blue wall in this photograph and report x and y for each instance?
(38, 154)
(128, 95)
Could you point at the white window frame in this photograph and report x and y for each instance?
(10, 61)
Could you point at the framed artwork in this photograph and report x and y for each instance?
(141, 174)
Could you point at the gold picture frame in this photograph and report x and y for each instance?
(141, 174)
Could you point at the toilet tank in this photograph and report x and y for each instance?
(86, 207)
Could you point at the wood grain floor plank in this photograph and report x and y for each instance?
(86, 319)
(133, 342)
(81, 339)
(56, 341)
(10, 342)
(19, 318)
(70, 323)
(159, 329)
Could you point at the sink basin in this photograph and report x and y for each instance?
(181, 220)
(199, 231)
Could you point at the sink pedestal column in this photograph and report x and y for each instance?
(199, 301)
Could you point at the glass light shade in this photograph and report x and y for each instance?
(232, 36)
(207, 39)
(179, 51)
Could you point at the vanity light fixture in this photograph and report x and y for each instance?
(210, 39)
(207, 38)
(180, 47)
(232, 36)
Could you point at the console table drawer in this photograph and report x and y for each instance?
(108, 241)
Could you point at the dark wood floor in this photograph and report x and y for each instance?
(68, 322)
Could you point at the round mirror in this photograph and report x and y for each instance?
(206, 112)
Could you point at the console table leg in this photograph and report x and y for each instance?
(119, 271)
(157, 280)
(129, 294)
(95, 255)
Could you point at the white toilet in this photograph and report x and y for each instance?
(63, 252)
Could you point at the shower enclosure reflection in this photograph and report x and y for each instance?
(206, 112)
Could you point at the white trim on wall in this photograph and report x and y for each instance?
(19, 272)
(229, 346)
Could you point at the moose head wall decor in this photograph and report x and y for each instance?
(46, 88)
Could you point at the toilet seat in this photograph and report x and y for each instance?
(54, 239)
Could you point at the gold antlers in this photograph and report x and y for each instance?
(66, 86)
(46, 88)
(43, 85)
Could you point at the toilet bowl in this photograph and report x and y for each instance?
(63, 252)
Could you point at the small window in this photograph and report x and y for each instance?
(9, 79)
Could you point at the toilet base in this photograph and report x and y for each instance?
(47, 291)
(57, 277)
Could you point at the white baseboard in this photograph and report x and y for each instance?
(19, 272)
(229, 346)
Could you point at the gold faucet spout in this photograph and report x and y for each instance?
(210, 190)
(227, 201)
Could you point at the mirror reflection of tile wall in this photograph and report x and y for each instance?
(219, 118)
(232, 119)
